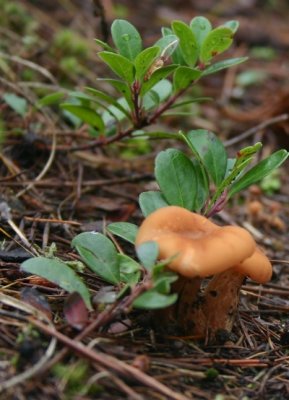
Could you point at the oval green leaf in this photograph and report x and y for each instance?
(99, 254)
(86, 114)
(120, 65)
(201, 27)
(260, 170)
(59, 273)
(201, 186)
(216, 42)
(125, 230)
(176, 177)
(184, 77)
(167, 45)
(211, 151)
(177, 56)
(233, 25)
(156, 77)
(188, 42)
(51, 98)
(126, 38)
(121, 87)
(218, 66)
(107, 99)
(152, 300)
(144, 60)
(148, 254)
(151, 201)
(160, 92)
(130, 270)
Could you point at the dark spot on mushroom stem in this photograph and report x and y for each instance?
(231, 311)
(213, 293)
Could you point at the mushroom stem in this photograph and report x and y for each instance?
(202, 315)
(181, 316)
(221, 298)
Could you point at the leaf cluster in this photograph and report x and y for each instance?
(100, 255)
(186, 180)
(148, 80)
(201, 179)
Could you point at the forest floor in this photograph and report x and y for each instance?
(51, 194)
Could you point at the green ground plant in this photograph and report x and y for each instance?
(201, 179)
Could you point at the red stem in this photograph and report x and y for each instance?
(139, 123)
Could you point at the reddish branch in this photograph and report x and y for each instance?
(139, 122)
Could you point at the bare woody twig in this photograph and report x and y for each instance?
(109, 362)
(252, 131)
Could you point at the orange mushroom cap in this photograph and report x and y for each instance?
(201, 248)
(257, 267)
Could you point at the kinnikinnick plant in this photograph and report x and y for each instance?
(200, 179)
(149, 81)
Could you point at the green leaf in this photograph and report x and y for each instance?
(188, 43)
(126, 38)
(201, 186)
(218, 66)
(201, 27)
(151, 201)
(260, 170)
(160, 92)
(247, 153)
(59, 273)
(99, 253)
(156, 77)
(104, 45)
(17, 103)
(52, 98)
(184, 77)
(163, 281)
(176, 177)
(113, 114)
(190, 101)
(108, 99)
(121, 87)
(144, 60)
(148, 254)
(125, 230)
(152, 300)
(86, 114)
(211, 151)
(233, 25)
(168, 45)
(120, 65)
(177, 56)
(129, 270)
(216, 42)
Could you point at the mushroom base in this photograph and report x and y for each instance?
(203, 314)
(181, 317)
(221, 299)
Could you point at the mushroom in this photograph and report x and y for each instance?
(199, 248)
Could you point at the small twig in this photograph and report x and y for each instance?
(164, 107)
(30, 372)
(103, 319)
(109, 362)
(52, 221)
(104, 141)
(255, 129)
(43, 71)
(140, 124)
(53, 183)
(6, 216)
(44, 170)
